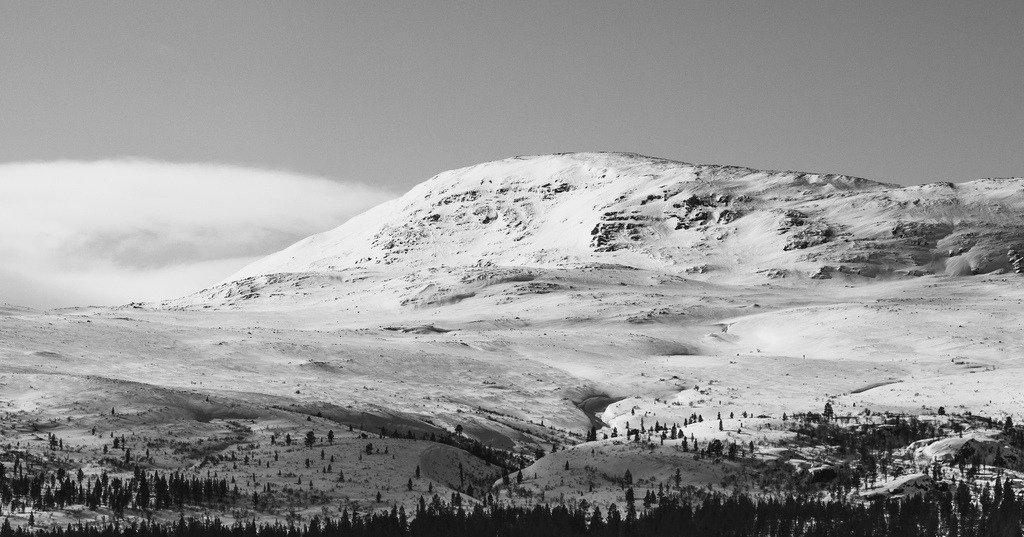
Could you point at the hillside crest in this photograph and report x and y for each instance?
(728, 222)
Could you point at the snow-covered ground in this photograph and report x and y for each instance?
(503, 296)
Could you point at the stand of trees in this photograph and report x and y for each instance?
(506, 460)
(44, 490)
(894, 432)
(959, 511)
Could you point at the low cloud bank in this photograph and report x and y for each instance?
(112, 232)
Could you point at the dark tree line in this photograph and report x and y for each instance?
(894, 432)
(507, 460)
(43, 490)
(958, 511)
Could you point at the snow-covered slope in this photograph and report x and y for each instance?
(531, 299)
(728, 223)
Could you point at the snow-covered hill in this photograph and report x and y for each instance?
(726, 223)
(525, 301)
(529, 285)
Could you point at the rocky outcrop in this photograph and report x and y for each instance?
(592, 209)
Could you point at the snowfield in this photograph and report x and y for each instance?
(725, 223)
(500, 298)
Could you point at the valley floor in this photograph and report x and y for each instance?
(440, 395)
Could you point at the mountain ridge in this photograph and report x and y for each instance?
(644, 212)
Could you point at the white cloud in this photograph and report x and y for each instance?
(111, 232)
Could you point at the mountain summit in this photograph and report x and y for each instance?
(729, 223)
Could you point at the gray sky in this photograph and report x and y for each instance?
(391, 93)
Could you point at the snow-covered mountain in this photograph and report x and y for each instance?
(725, 223)
(527, 300)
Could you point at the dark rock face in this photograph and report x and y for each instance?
(921, 233)
(1016, 261)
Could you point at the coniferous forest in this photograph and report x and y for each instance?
(958, 511)
(958, 503)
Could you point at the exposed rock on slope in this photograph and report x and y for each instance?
(723, 222)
